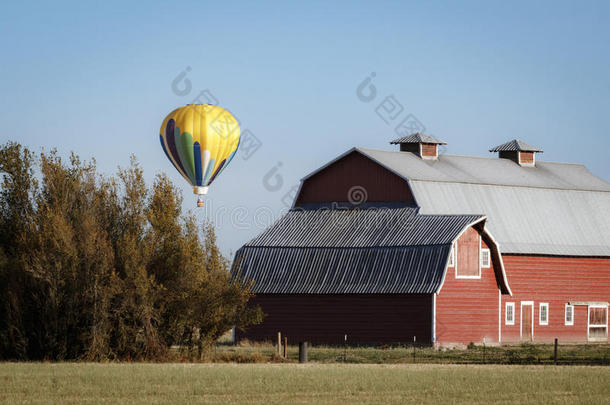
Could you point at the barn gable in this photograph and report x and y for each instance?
(337, 180)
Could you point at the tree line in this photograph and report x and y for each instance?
(95, 267)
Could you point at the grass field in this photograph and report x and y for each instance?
(294, 383)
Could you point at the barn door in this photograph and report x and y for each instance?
(527, 325)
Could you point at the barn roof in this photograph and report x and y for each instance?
(418, 138)
(552, 208)
(343, 251)
(516, 145)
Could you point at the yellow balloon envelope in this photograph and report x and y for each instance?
(200, 140)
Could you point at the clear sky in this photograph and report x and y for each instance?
(98, 78)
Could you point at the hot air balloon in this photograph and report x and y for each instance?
(200, 140)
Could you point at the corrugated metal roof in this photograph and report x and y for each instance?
(553, 208)
(480, 170)
(528, 220)
(418, 138)
(514, 146)
(396, 270)
(372, 227)
(332, 251)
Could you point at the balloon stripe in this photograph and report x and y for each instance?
(186, 150)
(217, 171)
(208, 171)
(198, 174)
(171, 143)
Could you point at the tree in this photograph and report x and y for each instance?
(99, 268)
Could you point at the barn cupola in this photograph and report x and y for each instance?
(518, 151)
(424, 146)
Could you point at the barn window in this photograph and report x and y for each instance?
(598, 322)
(468, 255)
(509, 313)
(569, 316)
(543, 313)
(485, 258)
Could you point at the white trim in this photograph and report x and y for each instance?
(540, 306)
(483, 265)
(521, 319)
(594, 303)
(565, 315)
(434, 318)
(596, 325)
(499, 316)
(506, 305)
(498, 258)
(451, 262)
(479, 261)
(296, 197)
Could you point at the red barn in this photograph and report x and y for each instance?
(383, 246)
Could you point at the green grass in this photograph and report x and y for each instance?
(294, 383)
(589, 354)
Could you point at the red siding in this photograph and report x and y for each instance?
(365, 318)
(467, 308)
(556, 281)
(334, 182)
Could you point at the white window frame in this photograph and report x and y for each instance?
(565, 315)
(452, 256)
(456, 264)
(540, 306)
(488, 264)
(506, 320)
(596, 325)
(531, 303)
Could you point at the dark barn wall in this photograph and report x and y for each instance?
(335, 181)
(366, 318)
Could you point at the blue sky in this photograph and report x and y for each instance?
(96, 78)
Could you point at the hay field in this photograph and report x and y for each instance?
(293, 383)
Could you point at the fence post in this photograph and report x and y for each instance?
(279, 343)
(302, 352)
(414, 339)
(555, 353)
(345, 348)
(285, 347)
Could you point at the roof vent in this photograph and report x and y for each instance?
(518, 151)
(424, 146)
